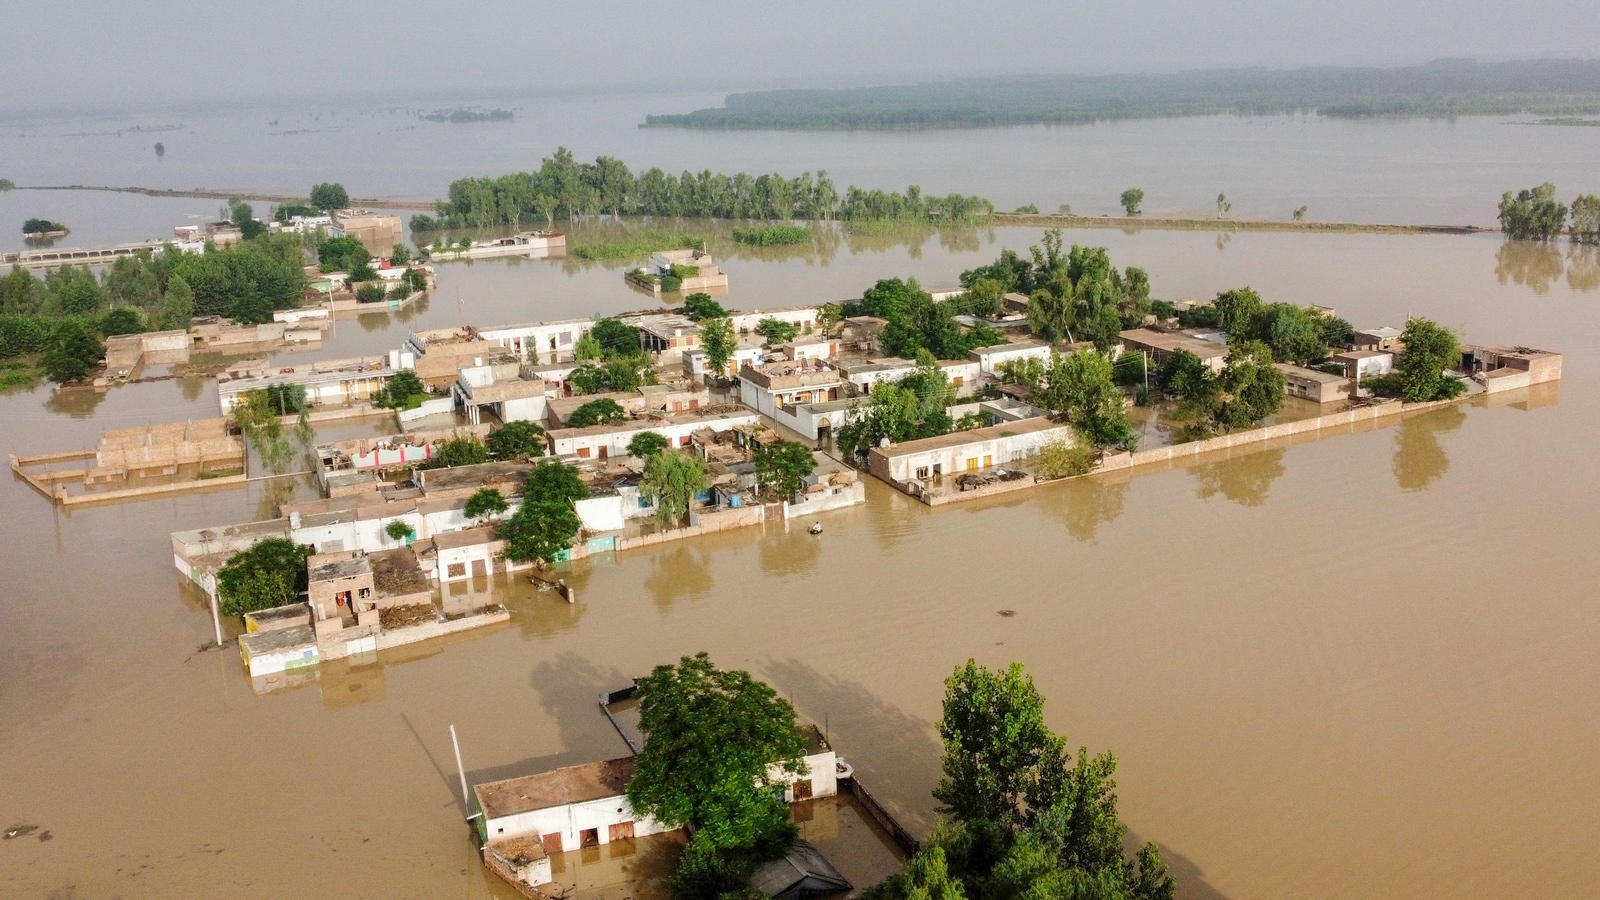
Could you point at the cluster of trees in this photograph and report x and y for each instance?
(562, 187)
(1295, 334)
(41, 226)
(612, 358)
(1077, 295)
(782, 468)
(546, 522)
(916, 323)
(1439, 89)
(324, 197)
(1247, 390)
(1534, 214)
(914, 407)
(403, 390)
(1027, 817)
(1081, 387)
(671, 480)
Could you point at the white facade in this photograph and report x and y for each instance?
(697, 366)
(604, 441)
(801, 317)
(553, 340)
(967, 451)
(989, 359)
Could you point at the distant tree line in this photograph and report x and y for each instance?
(563, 188)
(1444, 88)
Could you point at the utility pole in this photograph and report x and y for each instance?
(216, 620)
(461, 770)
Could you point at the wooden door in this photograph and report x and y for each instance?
(621, 831)
(551, 842)
(972, 464)
(802, 790)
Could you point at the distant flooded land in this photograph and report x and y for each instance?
(1440, 89)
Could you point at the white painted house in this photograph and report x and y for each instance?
(553, 341)
(605, 441)
(965, 451)
(989, 359)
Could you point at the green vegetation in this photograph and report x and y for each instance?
(638, 245)
(7, 184)
(343, 254)
(1027, 209)
(1130, 200)
(462, 115)
(400, 530)
(329, 195)
(1060, 459)
(271, 573)
(782, 468)
(564, 188)
(244, 219)
(671, 481)
(71, 352)
(1077, 295)
(604, 411)
(1027, 819)
(772, 235)
(457, 450)
(906, 410)
(1081, 387)
(699, 307)
(1297, 334)
(614, 359)
(286, 211)
(485, 502)
(545, 524)
(403, 390)
(646, 444)
(717, 339)
(1444, 88)
(516, 440)
(371, 292)
(1533, 214)
(718, 747)
(777, 331)
(916, 323)
(34, 227)
(1246, 391)
(259, 415)
(1586, 219)
(1419, 372)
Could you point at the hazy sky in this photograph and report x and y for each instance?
(136, 52)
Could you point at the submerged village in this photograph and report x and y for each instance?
(533, 447)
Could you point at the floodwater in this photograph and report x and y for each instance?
(1409, 171)
(1360, 667)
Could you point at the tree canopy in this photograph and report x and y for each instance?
(782, 468)
(545, 523)
(777, 331)
(646, 444)
(485, 501)
(457, 450)
(604, 411)
(1430, 348)
(72, 352)
(1082, 387)
(699, 307)
(1077, 294)
(403, 390)
(671, 481)
(906, 410)
(716, 337)
(1532, 214)
(329, 195)
(516, 440)
(1130, 200)
(270, 573)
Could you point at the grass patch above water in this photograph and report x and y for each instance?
(638, 244)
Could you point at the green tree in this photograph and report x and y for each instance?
(403, 390)
(1251, 387)
(777, 331)
(646, 444)
(1430, 348)
(1586, 219)
(553, 481)
(343, 254)
(1131, 198)
(782, 468)
(1295, 334)
(587, 348)
(400, 530)
(1532, 214)
(72, 353)
(1223, 206)
(329, 195)
(244, 219)
(457, 450)
(121, 320)
(716, 336)
(271, 573)
(20, 293)
(177, 305)
(604, 411)
(516, 440)
(617, 338)
(718, 745)
(1238, 311)
(925, 877)
(1082, 386)
(400, 255)
(539, 530)
(995, 739)
(485, 502)
(699, 307)
(1300, 213)
(671, 481)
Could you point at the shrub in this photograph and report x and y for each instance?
(371, 292)
(1061, 459)
(271, 573)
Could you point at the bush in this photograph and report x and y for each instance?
(516, 440)
(271, 573)
(772, 235)
(670, 282)
(371, 292)
(399, 530)
(1061, 459)
(604, 411)
(404, 390)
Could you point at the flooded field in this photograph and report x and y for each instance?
(1360, 667)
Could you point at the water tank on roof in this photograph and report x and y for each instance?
(734, 500)
(294, 520)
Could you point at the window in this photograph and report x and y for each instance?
(456, 570)
(583, 452)
(922, 471)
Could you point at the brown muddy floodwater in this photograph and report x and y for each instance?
(1361, 667)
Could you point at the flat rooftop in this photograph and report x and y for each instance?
(976, 435)
(1309, 374)
(341, 568)
(474, 476)
(1168, 342)
(561, 787)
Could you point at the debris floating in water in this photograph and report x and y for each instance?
(1008, 613)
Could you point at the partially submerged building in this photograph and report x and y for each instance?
(916, 467)
(1161, 345)
(1314, 385)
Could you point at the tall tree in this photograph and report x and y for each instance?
(329, 195)
(1586, 219)
(1130, 199)
(716, 336)
(1430, 348)
(783, 467)
(671, 481)
(1082, 386)
(177, 305)
(72, 352)
(270, 573)
(1532, 214)
(994, 741)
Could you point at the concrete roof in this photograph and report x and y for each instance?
(1362, 354)
(958, 438)
(1169, 342)
(477, 475)
(341, 568)
(1030, 344)
(561, 787)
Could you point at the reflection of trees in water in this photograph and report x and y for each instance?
(1419, 458)
(1084, 504)
(682, 572)
(1534, 264)
(1245, 480)
(1583, 268)
(192, 387)
(413, 309)
(789, 552)
(79, 403)
(373, 321)
(276, 493)
(1224, 238)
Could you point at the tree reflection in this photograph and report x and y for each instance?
(789, 552)
(1419, 459)
(79, 403)
(373, 321)
(1224, 238)
(1084, 504)
(1534, 264)
(1245, 480)
(192, 387)
(680, 573)
(1583, 268)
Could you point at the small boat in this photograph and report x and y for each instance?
(816, 527)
